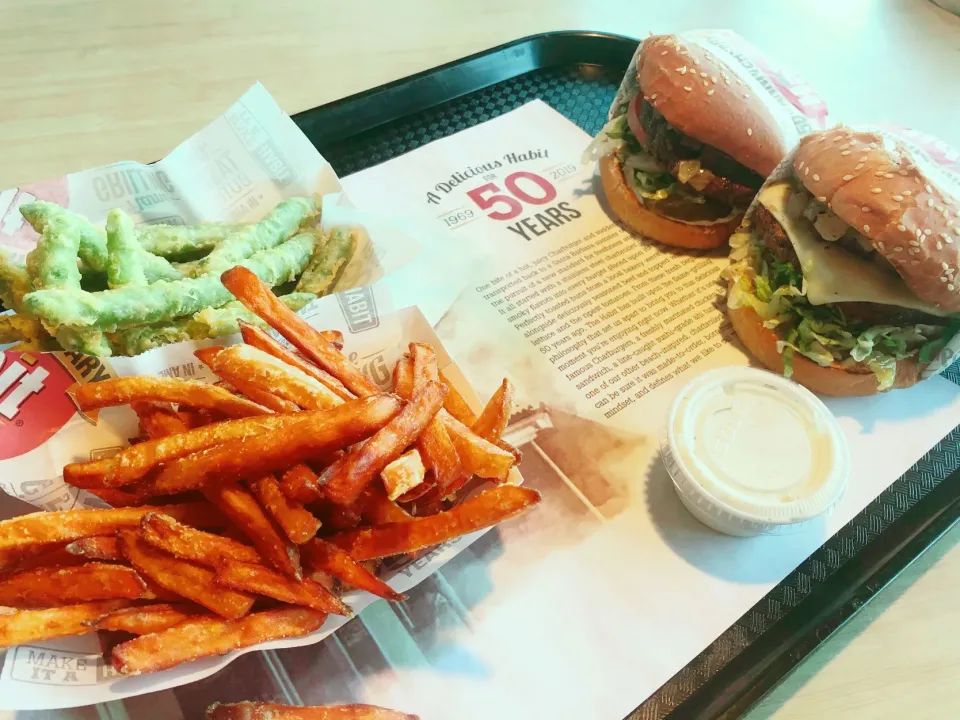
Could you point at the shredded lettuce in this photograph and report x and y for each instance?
(774, 290)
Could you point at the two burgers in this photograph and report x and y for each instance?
(846, 261)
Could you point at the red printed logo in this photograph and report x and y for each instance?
(33, 401)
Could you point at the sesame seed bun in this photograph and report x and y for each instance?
(761, 342)
(627, 207)
(912, 220)
(703, 98)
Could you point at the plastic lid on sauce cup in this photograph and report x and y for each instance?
(752, 453)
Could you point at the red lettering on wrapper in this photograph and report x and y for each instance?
(34, 403)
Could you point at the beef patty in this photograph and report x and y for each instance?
(866, 313)
(732, 183)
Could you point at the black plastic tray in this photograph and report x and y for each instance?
(578, 73)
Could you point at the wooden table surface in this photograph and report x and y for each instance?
(84, 83)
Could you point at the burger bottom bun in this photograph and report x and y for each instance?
(632, 213)
(833, 380)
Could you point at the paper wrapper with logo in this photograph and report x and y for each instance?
(791, 100)
(45, 432)
(939, 162)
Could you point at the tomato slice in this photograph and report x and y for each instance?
(633, 119)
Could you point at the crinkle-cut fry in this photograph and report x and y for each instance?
(133, 463)
(187, 543)
(49, 587)
(68, 525)
(260, 339)
(182, 578)
(306, 436)
(159, 419)
(241, 507)
(455, 404)
(493, 420)
(88, 475)
(481, 511)
(319, 555)
(345, 479)
(145, 619)
(403, 474)
(204, 637)
(273, 711)
(377, 509)
(27, 626)
(257, 579)
(103, 547)
(297, 523)
(120, 391)
(266, 372)
(478, 456)
(253, 293)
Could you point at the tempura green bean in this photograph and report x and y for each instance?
(123, 252)
(91, 244)
(327, 262)
(177, 240)
(163, 300)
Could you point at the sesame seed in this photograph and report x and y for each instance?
(739, 81)
(866, 228)
(919, 232)
(902, 228)
(711, 91)
(653, 97)
(914, 250)
(902, 173)
(945, 266)
(914, 243)
(706, 84)
(682, 70)
(929, 202)
(702, 74)
(800, 166)
(750, 132)
(876, 191)
(713, 79)
(823, 198)
(726, 79)
(928, 188)
(898, 198)
(927, 231)
(950, 287)
(872, 146)
(914, 262)
(745, 95)
(696, 62)
(664, 52)
(943, 279)
(943, 235)
(883, 248)
(847, 178)
(865, 209)
(898, 248)
(889, 176)
(845, 152)
(859, 167)
(687, 88)
(939, 245)
(816, 178)
(908, 192)
(845, 146)
(863, 159)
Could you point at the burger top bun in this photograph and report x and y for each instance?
(701, 97)
(881, 192)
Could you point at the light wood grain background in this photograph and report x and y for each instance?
(85, 83)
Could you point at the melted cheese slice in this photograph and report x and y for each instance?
(831, 273)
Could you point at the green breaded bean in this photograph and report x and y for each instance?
(133, 305)
(206, 324)
(123, 251)
(92, 246)
(84, 340)
(177, 240)
(279, 224)
(327, 261)
(14, 282)
(225, 320)
(158, 268)
(53, 262)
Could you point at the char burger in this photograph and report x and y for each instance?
(845, 272)
(687, 150)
